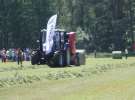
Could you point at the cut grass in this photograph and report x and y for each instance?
(113, 85)
(99, 79)
(14, 74)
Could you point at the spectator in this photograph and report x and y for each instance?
(19, 56)
(14, 55)
(3, 54)
(126, 53)
(10, 54)
(95, 53)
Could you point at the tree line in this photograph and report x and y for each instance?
(100, 24)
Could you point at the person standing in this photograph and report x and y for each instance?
(126, 53)
(95, 53)
(4, 55)
(19, 56)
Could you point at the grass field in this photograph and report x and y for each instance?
(99, 79)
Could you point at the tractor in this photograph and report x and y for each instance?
(63, 52)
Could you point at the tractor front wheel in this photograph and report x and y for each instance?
(35, 59)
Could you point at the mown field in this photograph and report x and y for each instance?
(99, 79)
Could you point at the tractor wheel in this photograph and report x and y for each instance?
(68, 57)
(51, 63)
(35, 59)
(77, 61)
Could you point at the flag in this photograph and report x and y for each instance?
(50, 33)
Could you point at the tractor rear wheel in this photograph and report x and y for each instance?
(35, 59)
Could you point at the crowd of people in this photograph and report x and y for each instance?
(15, 55)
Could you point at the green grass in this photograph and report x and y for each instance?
(93, 66)
(99, 79)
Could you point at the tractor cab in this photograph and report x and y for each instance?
(59, 39)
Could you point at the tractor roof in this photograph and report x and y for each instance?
(60, 30)
(56, 30)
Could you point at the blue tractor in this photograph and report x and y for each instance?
(63, 52)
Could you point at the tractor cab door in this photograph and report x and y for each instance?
(59, 40)
(56, 45)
